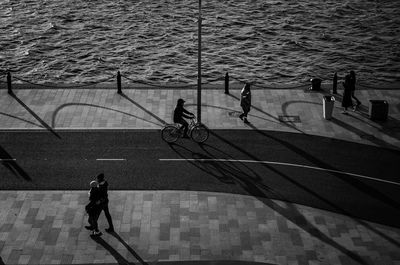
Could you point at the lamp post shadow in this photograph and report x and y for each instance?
(133, 252)
(42, 122)
(118, 257)
(10, 163)
(253, 185)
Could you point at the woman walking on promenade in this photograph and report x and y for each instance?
(346, 101)
(245, 102)
(353, 88)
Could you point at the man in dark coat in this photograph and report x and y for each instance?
(103, 188)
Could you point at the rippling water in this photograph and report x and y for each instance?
(267, 41)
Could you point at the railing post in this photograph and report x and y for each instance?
(9, 83)
(226, 83)
(119, 83)
(334, 85)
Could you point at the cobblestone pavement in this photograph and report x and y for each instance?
(46, 227)
(151, 226)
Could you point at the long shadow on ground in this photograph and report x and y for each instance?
(249, 180)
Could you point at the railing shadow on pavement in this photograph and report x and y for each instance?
(362, 134)
(142, 108)
(385, 127)
(58, 109)
(255, 188)
(21, 119)
(349, 127)
(134, 253)
(8, 161)
(368, 190)
(44, 124)
(287, 103)
(269, 115)
(273, 120)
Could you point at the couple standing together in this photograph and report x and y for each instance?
(349, 86)
(98, 201)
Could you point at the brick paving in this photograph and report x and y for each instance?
(152, 226)
(46, 227)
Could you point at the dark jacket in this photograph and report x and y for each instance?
(180, 113)
(94, 199)
(103, 190)
(346, 101)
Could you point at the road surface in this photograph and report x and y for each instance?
(348, 178)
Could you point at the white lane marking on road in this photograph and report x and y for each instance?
(8, 159)
(280, 163)
(111, 159)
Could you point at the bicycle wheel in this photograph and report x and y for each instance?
(170, 133)
(199, 133)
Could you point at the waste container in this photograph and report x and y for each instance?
(315, 84)
(378, 110)
(328, 102)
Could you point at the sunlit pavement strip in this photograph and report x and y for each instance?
(149, 108)
(47, 227)
(278, 163)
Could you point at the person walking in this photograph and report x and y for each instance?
(245, 102)
(353, 88)
(346, 101)
(103, 189)
(93, 209)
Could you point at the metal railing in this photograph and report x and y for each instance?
(226, 81)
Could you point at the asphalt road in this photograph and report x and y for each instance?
(348, 178)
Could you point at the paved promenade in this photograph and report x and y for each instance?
(300, 111)
(154, 227)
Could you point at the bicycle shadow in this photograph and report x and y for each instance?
(253, 185)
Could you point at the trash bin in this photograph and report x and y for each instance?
(378, 110)
(315, 84)
(328, 103)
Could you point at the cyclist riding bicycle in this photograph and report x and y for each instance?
(180, 113)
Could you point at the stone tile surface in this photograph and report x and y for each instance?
(152, 108)
(40, 227)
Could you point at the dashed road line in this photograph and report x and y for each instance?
(280, 163)
(110, 159)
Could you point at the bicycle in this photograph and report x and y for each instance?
(197, 131)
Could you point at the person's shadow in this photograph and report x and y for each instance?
(118, 257)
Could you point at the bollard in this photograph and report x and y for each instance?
(315, 84)
(334, 87)
(119, 83)
(9, 83)
(226, 83)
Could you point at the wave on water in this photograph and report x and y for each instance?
(263, 41)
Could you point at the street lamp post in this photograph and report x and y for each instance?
(199, 67)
